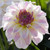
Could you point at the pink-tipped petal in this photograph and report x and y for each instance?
(37, 39)
(40, 28)
(36, 10)
(41, 14)
(24, 33)
(7, 25)
(21, 43)
(11, 7)
(33, 32)
(16, 28)
(26, 4)
(9, 30)
(16, 36)
(29, 7)
(9, 36)
(7, 18)
(42, 21)
(27, 40)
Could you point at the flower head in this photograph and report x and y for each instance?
(24, 22)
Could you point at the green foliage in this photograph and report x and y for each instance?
(1, 44)
(48, 10)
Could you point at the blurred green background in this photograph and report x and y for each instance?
(44, 45)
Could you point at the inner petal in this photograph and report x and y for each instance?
(25, 17)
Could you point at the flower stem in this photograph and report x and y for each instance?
(5, 40)
(40, 2)
(36, 2)
(1, 44)
(45, 48)
(35, 46)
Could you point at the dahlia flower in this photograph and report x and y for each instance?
(23, 22)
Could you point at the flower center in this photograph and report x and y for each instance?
(25, 17)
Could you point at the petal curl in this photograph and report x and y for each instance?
(20, 43)
(37, 39)
(9, 35)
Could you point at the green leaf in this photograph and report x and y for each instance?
(48, 10)
(11, 47)
(4, 37)
(27, 0)
(1, 44)
(43, 4)
(33, 0)
(38, 2)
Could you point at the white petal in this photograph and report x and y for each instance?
(27, 39)
(9, 36)
(9, 32)
(38, 39)
(13, 9)
(33, 32)
(36, 10)
(6, 24)
(40, 27)
(29, 7)
(17, 28)
(16, 36)
(41, 15)
(24, 32)
(23, 4)
(20, 5)
(21, 43)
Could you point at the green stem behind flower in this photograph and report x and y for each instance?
(45, 48)
(1, 44)
(5, 40)
(35, 46)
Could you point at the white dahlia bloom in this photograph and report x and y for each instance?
(23, 22)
